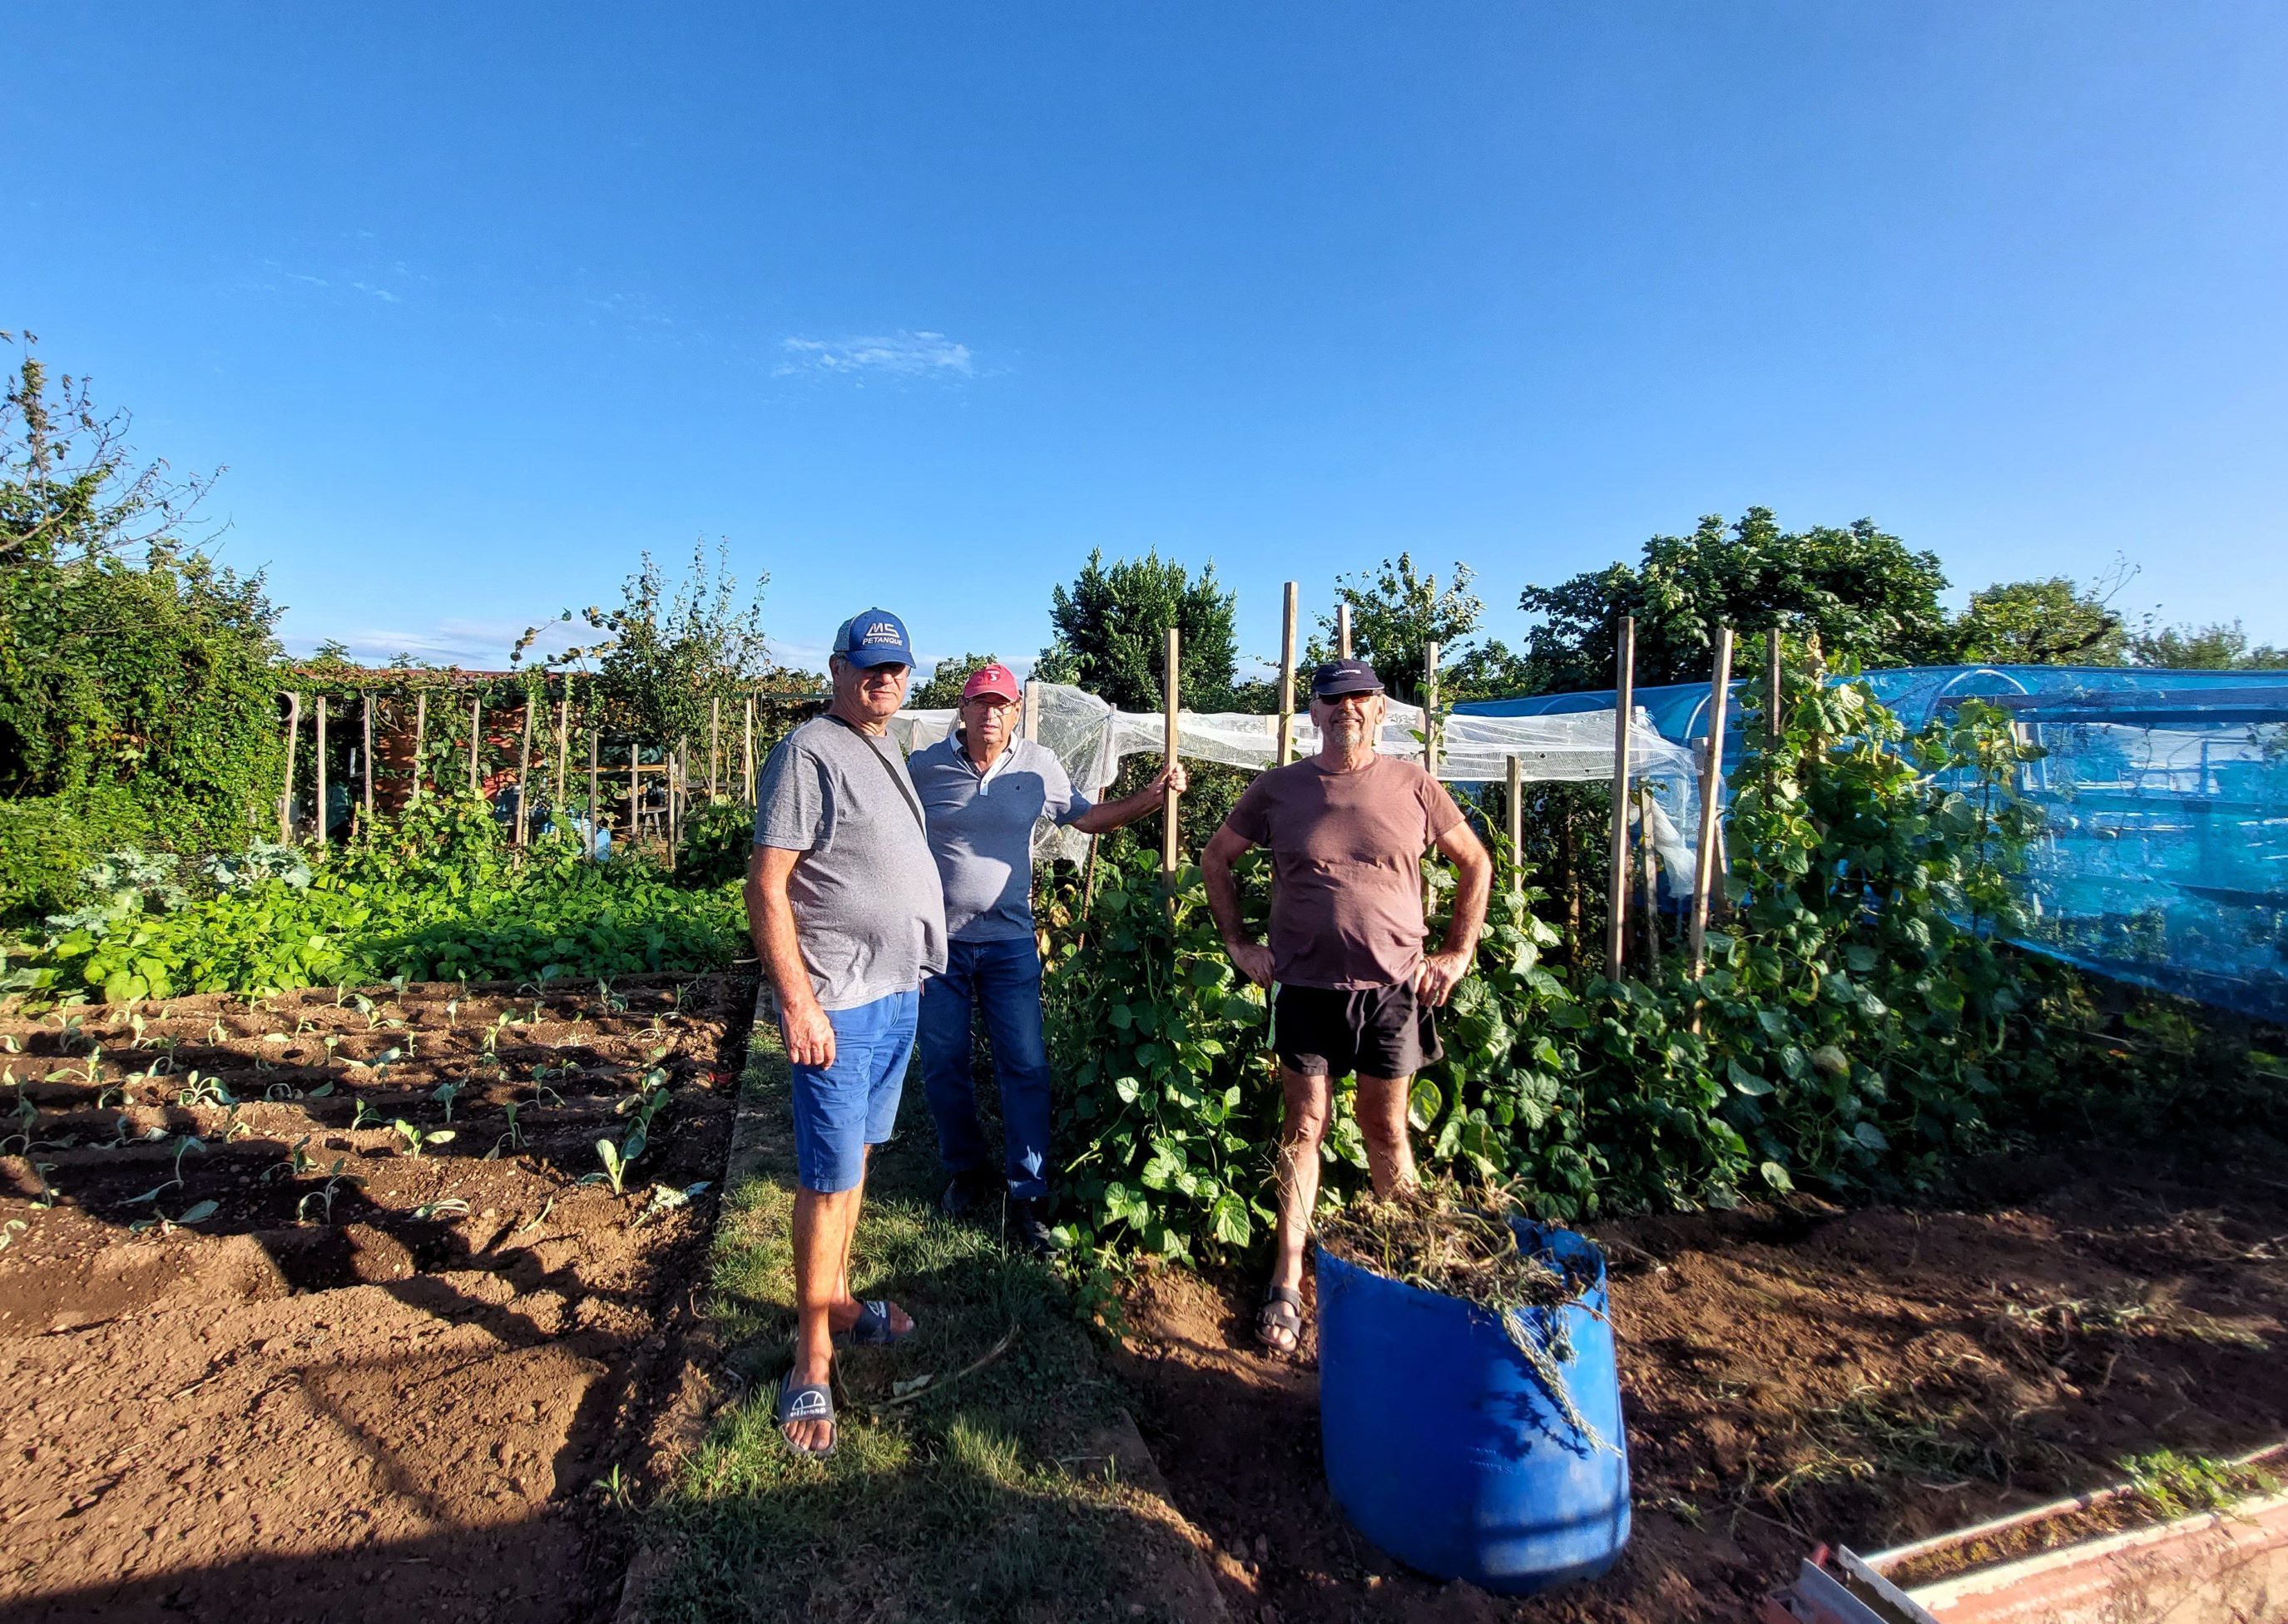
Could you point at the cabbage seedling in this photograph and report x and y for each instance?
(184, 1146)
(324, 1196)
(445, 1094)
(416, 1141)
(452, 1205)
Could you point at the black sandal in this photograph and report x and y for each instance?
(1282, 1311)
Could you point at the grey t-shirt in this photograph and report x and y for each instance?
(867, 909)
(981, 830)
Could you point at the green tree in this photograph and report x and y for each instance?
(1396, 614)
(138, 691)
(2051, 622)
(942, 691)
(2221, 647)
(1111, 634)
(1864, 595)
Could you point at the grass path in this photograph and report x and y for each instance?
(997, 1494)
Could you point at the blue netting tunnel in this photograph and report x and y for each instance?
(2165, 795)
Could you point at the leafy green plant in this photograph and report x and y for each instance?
(445, 1094)
(184, 1146)
(326, 1194)
(417, 1141)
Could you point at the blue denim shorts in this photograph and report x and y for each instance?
(839, 1109)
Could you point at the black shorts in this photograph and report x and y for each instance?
(1334, 1031)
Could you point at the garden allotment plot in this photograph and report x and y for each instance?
(326, 1305)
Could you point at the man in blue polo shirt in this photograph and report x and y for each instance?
(983, 790)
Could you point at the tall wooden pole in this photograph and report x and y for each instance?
(595, 801)
(1429, 748)
(1649, 888)
(1287, 677)
(714, 743)
(420, 742)
(1028, 713)
(1616, 884)
(1712, 793)
(1168, 832)
(1516, 826)
(318, 755)
(1772, 681)
(286, 795)
(524, 774)
(1343, 631)
(368, 759)
(563, 744)
(635, 778)
(747, 757)
(476, 732)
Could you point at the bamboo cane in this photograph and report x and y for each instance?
(1287, 677)
(1616, 886)
(368, 759)
(1711, 793)
(1516, 826)
(420, 742)
(524, 774)
(1169, 848)
(318, 759)
(286, 795)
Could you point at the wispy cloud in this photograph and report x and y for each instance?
(480, 644)
(900, 355)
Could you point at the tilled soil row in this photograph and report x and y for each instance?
(365, 1382)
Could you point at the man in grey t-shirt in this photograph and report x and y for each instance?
(843, 901)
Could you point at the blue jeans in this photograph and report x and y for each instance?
(1005, 978)
(839, 1109)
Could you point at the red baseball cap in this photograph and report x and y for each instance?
(992, 679)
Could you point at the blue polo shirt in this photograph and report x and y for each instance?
(981, 830)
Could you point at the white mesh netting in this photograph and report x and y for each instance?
(1091, 738)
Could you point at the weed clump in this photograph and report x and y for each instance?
(1432, 1236)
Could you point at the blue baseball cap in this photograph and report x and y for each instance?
(874, 637)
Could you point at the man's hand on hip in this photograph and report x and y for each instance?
(1440, 973)
(809, 1034)
(1253, 959)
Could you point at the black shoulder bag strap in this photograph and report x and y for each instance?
(905, 785)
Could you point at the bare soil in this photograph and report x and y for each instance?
(406, 1403)
(1793, 1376)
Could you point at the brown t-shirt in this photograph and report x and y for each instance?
(1346, 862)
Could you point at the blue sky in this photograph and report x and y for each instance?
(916, 304)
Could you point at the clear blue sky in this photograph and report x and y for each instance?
(916, 303)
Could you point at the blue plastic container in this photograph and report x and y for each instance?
(1445, 1449)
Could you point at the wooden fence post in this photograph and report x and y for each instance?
(1616, 885)
(368, 758)
(747, 757)
(1516, 826)
(1168, 847)
(476, 732)
(595, 802)
(420, 741)
(1711, 793)
(1028, 713)
(318, 757)
(635, 778)
(286, 795)
(1773, 676)
(524, 772)
(1287, 677)
(1650, 887)
(714, 741)
(1343, 630)
(1429, 747)
(564, 744)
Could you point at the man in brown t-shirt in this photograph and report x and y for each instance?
(1347, 830)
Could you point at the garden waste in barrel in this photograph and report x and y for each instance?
(1444, 1446)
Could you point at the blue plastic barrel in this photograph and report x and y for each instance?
(1445, 1449)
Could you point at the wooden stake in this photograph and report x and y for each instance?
(1343, 631)
(420, 741)
(563, 789)
(714, 743)
(524, 774)
(635, 778)
(1516, 826)
(1029, 713)
(1168, 833)
(747, 757)
(1429, 748)
(1712, 790)
(595, 803)
(286, 795)
(1616, 884)
(318, 756)
(476, 732)
(368, 759)
(1650, 887)
(1287, 677)
(1772, 683)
